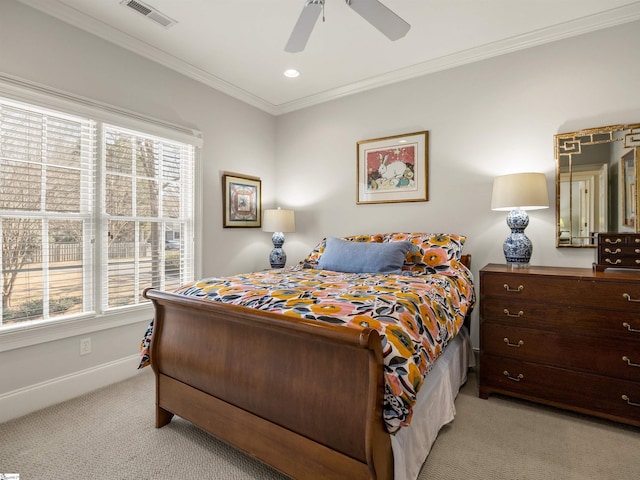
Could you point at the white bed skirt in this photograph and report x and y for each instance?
(433, 409)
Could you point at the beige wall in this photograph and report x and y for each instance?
(237, 137)
(485, 119)
(494, 117)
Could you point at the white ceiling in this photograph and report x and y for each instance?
(237, 46)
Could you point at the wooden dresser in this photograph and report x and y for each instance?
(567, 337)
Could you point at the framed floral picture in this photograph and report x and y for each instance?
(393, 169)
(242, 201)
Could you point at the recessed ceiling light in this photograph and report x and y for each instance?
(291, 73)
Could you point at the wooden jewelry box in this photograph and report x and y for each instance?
(618, 250)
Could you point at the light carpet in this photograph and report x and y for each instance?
(110, 434)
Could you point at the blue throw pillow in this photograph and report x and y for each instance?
(356, 257)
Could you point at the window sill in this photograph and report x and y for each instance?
(21, 337)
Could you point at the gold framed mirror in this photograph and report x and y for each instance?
(596, 183)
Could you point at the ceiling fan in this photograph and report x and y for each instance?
(374, 12)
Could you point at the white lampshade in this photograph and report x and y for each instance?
(527, 191)
(277, 220)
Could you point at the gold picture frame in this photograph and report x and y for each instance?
(628, 169)
(393, 169)
(241, 201)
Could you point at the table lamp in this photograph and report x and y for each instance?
(278, 221)
(517, 193)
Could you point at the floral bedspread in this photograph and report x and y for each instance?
(416, 315)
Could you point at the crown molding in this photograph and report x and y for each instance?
(590, 23)
(85, 22)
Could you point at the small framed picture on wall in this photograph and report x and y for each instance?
(242, 201)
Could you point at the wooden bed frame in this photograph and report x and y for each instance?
(274, 386)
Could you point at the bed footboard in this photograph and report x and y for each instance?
(302, 397)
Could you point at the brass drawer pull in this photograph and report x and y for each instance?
(626, 399)
(626, 359)
(608, 240)
(516, 315)
(521, 343)
(517, 290)
(628, 327)
(616, 262)
(608, 250)
(637, 250)
(629, 299)
(515, 379)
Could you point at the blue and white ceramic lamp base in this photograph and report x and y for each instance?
(517, 247)
(277, 257)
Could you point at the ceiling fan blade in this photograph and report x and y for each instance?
(380, 17)
(303, 27)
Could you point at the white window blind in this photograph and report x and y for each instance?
(148, 210)
(46, 213)
(88, 220)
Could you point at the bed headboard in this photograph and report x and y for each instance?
(466, 260)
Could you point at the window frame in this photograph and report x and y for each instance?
(12, 88)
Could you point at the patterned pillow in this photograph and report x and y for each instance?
(312, 259)
(435, 251)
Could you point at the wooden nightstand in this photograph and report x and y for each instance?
(567, 337)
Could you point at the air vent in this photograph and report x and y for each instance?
(149, 12)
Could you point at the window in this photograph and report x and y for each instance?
(91, 214)
(147, 214)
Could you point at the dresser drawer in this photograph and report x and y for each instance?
(612, 295)
(527, 288)
(616, 239)
(619, 256)
(619, 251)
(562, 318)
(604, 356)
(594, 394)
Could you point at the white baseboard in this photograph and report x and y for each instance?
(34, 397)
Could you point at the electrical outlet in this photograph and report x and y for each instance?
(85, 346)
